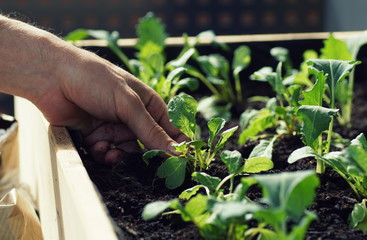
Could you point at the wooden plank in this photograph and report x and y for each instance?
(35, 166)
(69, 205)
(174, 41)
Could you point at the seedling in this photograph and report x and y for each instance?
(151, 65)
(280, 214)
(195, 154)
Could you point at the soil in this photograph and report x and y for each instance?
(128, 186)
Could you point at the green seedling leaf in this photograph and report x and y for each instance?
(175, 73)
(301, 153)
(224, 138)
(289, 192)
(263, 149)
(315, 119)
(205, 179)
(151, 154)
(258, 164)
(360, 141)
(191, 83)
(280, 53)
(315, 95)
(260, 157)
(355, 43)
(150, 29)
(232, 160)
(358, 217)
(77, 35)
(153, 209)
(182, 60)
(356, 161)
(241, 60)
(214, 65)
(148, 49)
(195, 209)
(214, 126)
(182, 112)
(335, 49)
(246, 117)
(210, 37)
(188, 193)
(275, 79)
(262, 121)
(241, 189)
(336, 70)
(173, 170)
(210, 107)
(299, 231)
(229, 210)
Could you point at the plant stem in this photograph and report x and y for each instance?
(205, 81)
(238, 88)
(122, 57)
(320, 166)
(224, 181)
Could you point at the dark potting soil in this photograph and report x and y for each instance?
(128, 186)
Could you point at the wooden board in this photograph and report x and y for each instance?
(68, 203)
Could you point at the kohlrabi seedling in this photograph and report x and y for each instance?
(195, 155)
(150, 65)
(280, 213)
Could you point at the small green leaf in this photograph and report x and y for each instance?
(280, 53)
(232, 160)
(241, 59)
(76, 35)
(151, 29)
(175, 73)
(224, 138)
(205, 179)
(173, 170)
(210, 107)
(360, 141)
(336, 70)
(358, 217)
(182, 112)
(188, 193)
(151, 154)
(261, 122)
(182, 60)
(190, 83)
(289, 192)
(214, 126)
(153, 209)
(315, 119)
(263, 149)
(195, 207)
(315, 95)
(301, 153)
(258, 164)
(335, 49)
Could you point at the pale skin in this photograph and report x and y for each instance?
(77, 89)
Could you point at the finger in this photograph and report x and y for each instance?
(132, 111)
(99, 150)
(113, 156)
(129, 147)
(156, 107)
(113, 132)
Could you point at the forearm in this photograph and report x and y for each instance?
(27, 61)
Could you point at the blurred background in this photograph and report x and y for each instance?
(225, 17)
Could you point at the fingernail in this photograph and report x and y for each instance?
(172, 150)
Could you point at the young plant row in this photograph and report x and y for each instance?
(308, 102)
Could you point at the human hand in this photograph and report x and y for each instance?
(77, 89)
